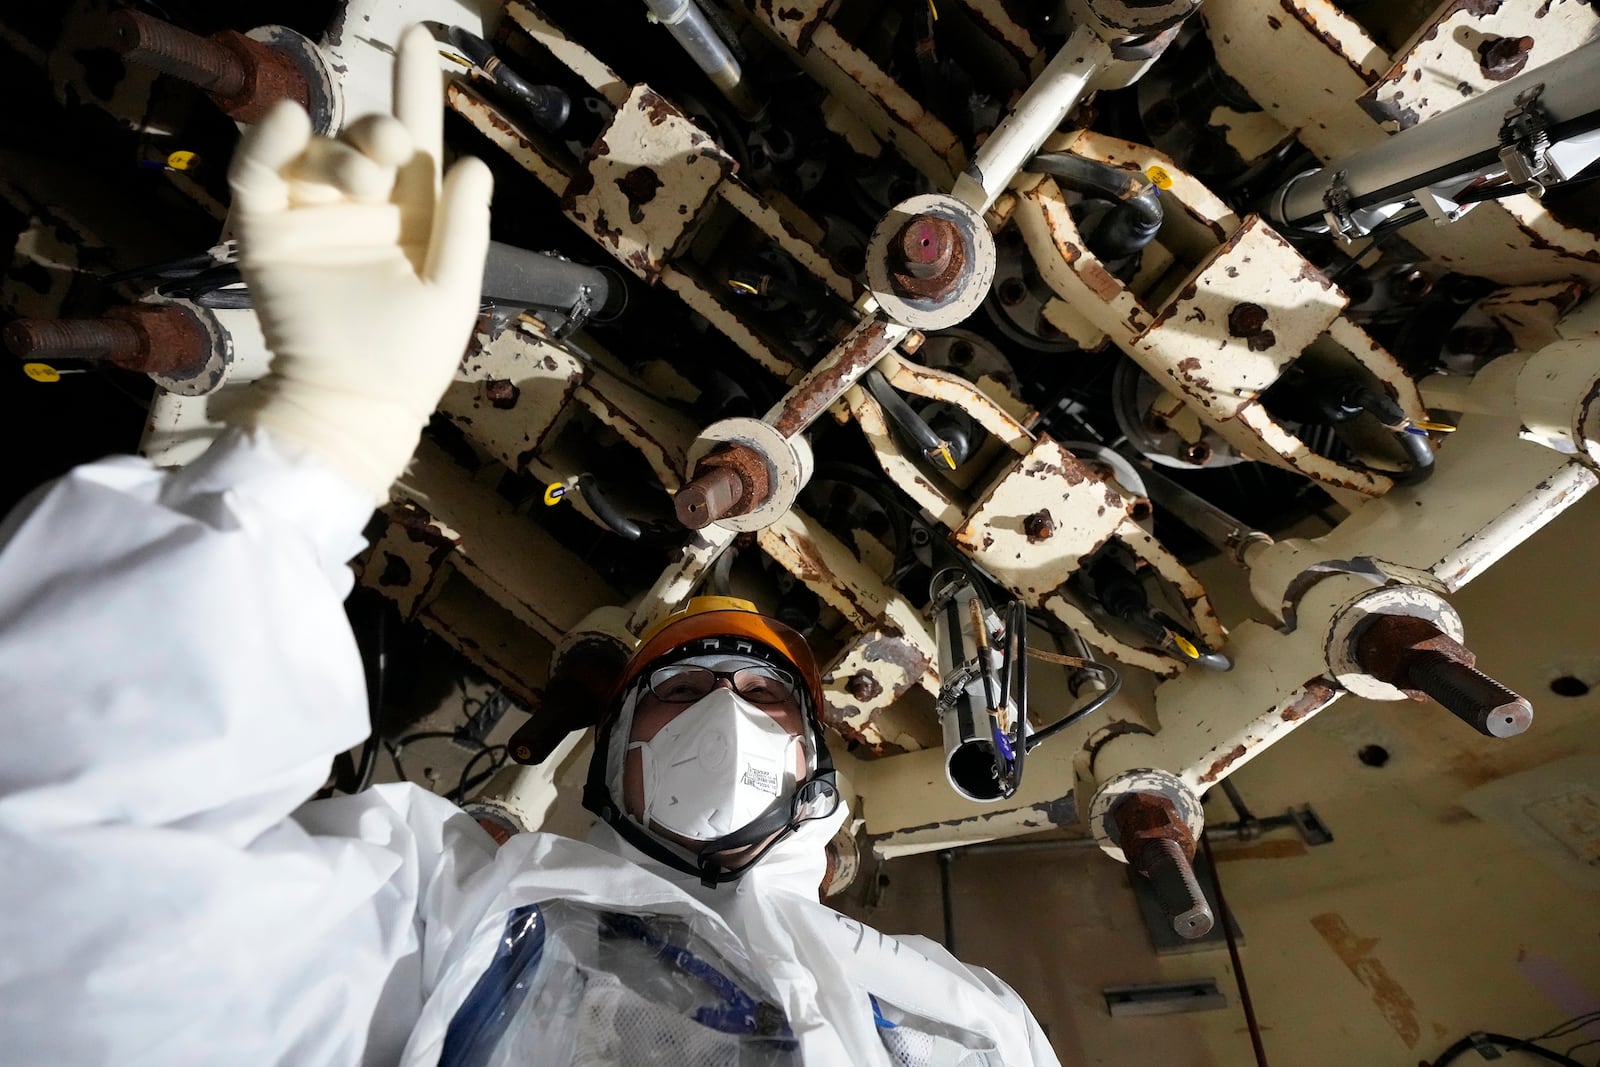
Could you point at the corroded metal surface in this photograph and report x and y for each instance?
(504, 131)
(1086, 513)
(835, 374)
(1467, 48)
(644, 184)
(510, 393)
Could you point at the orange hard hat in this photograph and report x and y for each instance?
(723, 616)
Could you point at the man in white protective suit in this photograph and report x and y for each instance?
(177, 674)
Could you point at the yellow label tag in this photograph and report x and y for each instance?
(41, 372)
(182, 160)
(1185, 646)
(553, 493)
(1162, 179)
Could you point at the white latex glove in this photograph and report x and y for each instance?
(364, 271)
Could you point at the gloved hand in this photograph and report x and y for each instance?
(364, 271)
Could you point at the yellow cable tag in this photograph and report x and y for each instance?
(41, 372)
(944, 453)
(182, 160)
(1185, 646)
(1160, 177)
(743, 287)
(553, 493)
(933, 11)
(1433, 427)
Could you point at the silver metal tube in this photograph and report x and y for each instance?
(1220, 530)
(969, 745)
(1037, 115)
(690, 27)
(1458, 143)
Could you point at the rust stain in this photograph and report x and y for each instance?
(1220, 766)
(1100, 281)
(1317, 693)
(1309, 20)
(639, 186)
(1309, 272)
(1356, 953)
(814, 395)
(656, 109)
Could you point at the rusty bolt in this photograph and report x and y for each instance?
(927, 258)
(713, 494)
(522, 754)
(1415, 656)
(1503, 57)
(1039, 526)
(1198, 453)
(863, 687)
(733, 480)
(151, 339)
(1158, 844)
(243, 77)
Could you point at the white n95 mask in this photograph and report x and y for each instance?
(716, 768)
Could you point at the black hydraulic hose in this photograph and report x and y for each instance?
(1419, 453)
(1354, 398)
(619, 523)
(1129, 226)
(547, 105)
(902, 414)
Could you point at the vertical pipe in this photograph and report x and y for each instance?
(690, 28)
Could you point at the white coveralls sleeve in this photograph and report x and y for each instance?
(177, 674)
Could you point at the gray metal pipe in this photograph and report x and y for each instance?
(691, 29)
(1458, 143)
(518, 277)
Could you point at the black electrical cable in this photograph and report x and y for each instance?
(1514, 1044)
(464, 785)
(1498, 192)
(1233, 955)
(607, 513)
(1573, 1048)
(1084, 712)
(1017, 649)
(1567, 1026)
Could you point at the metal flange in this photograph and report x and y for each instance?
(956, 286)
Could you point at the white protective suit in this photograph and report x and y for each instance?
(177, 674)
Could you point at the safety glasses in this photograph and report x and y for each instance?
(686, 683)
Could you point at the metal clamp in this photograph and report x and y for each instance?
(1341, 224)
(1525, 142)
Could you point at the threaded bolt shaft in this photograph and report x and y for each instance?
(72, 338)
(1469, 694)
(1172, 877)
(178, 53)
(710, 496)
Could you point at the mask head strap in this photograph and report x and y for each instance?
(783, 820)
